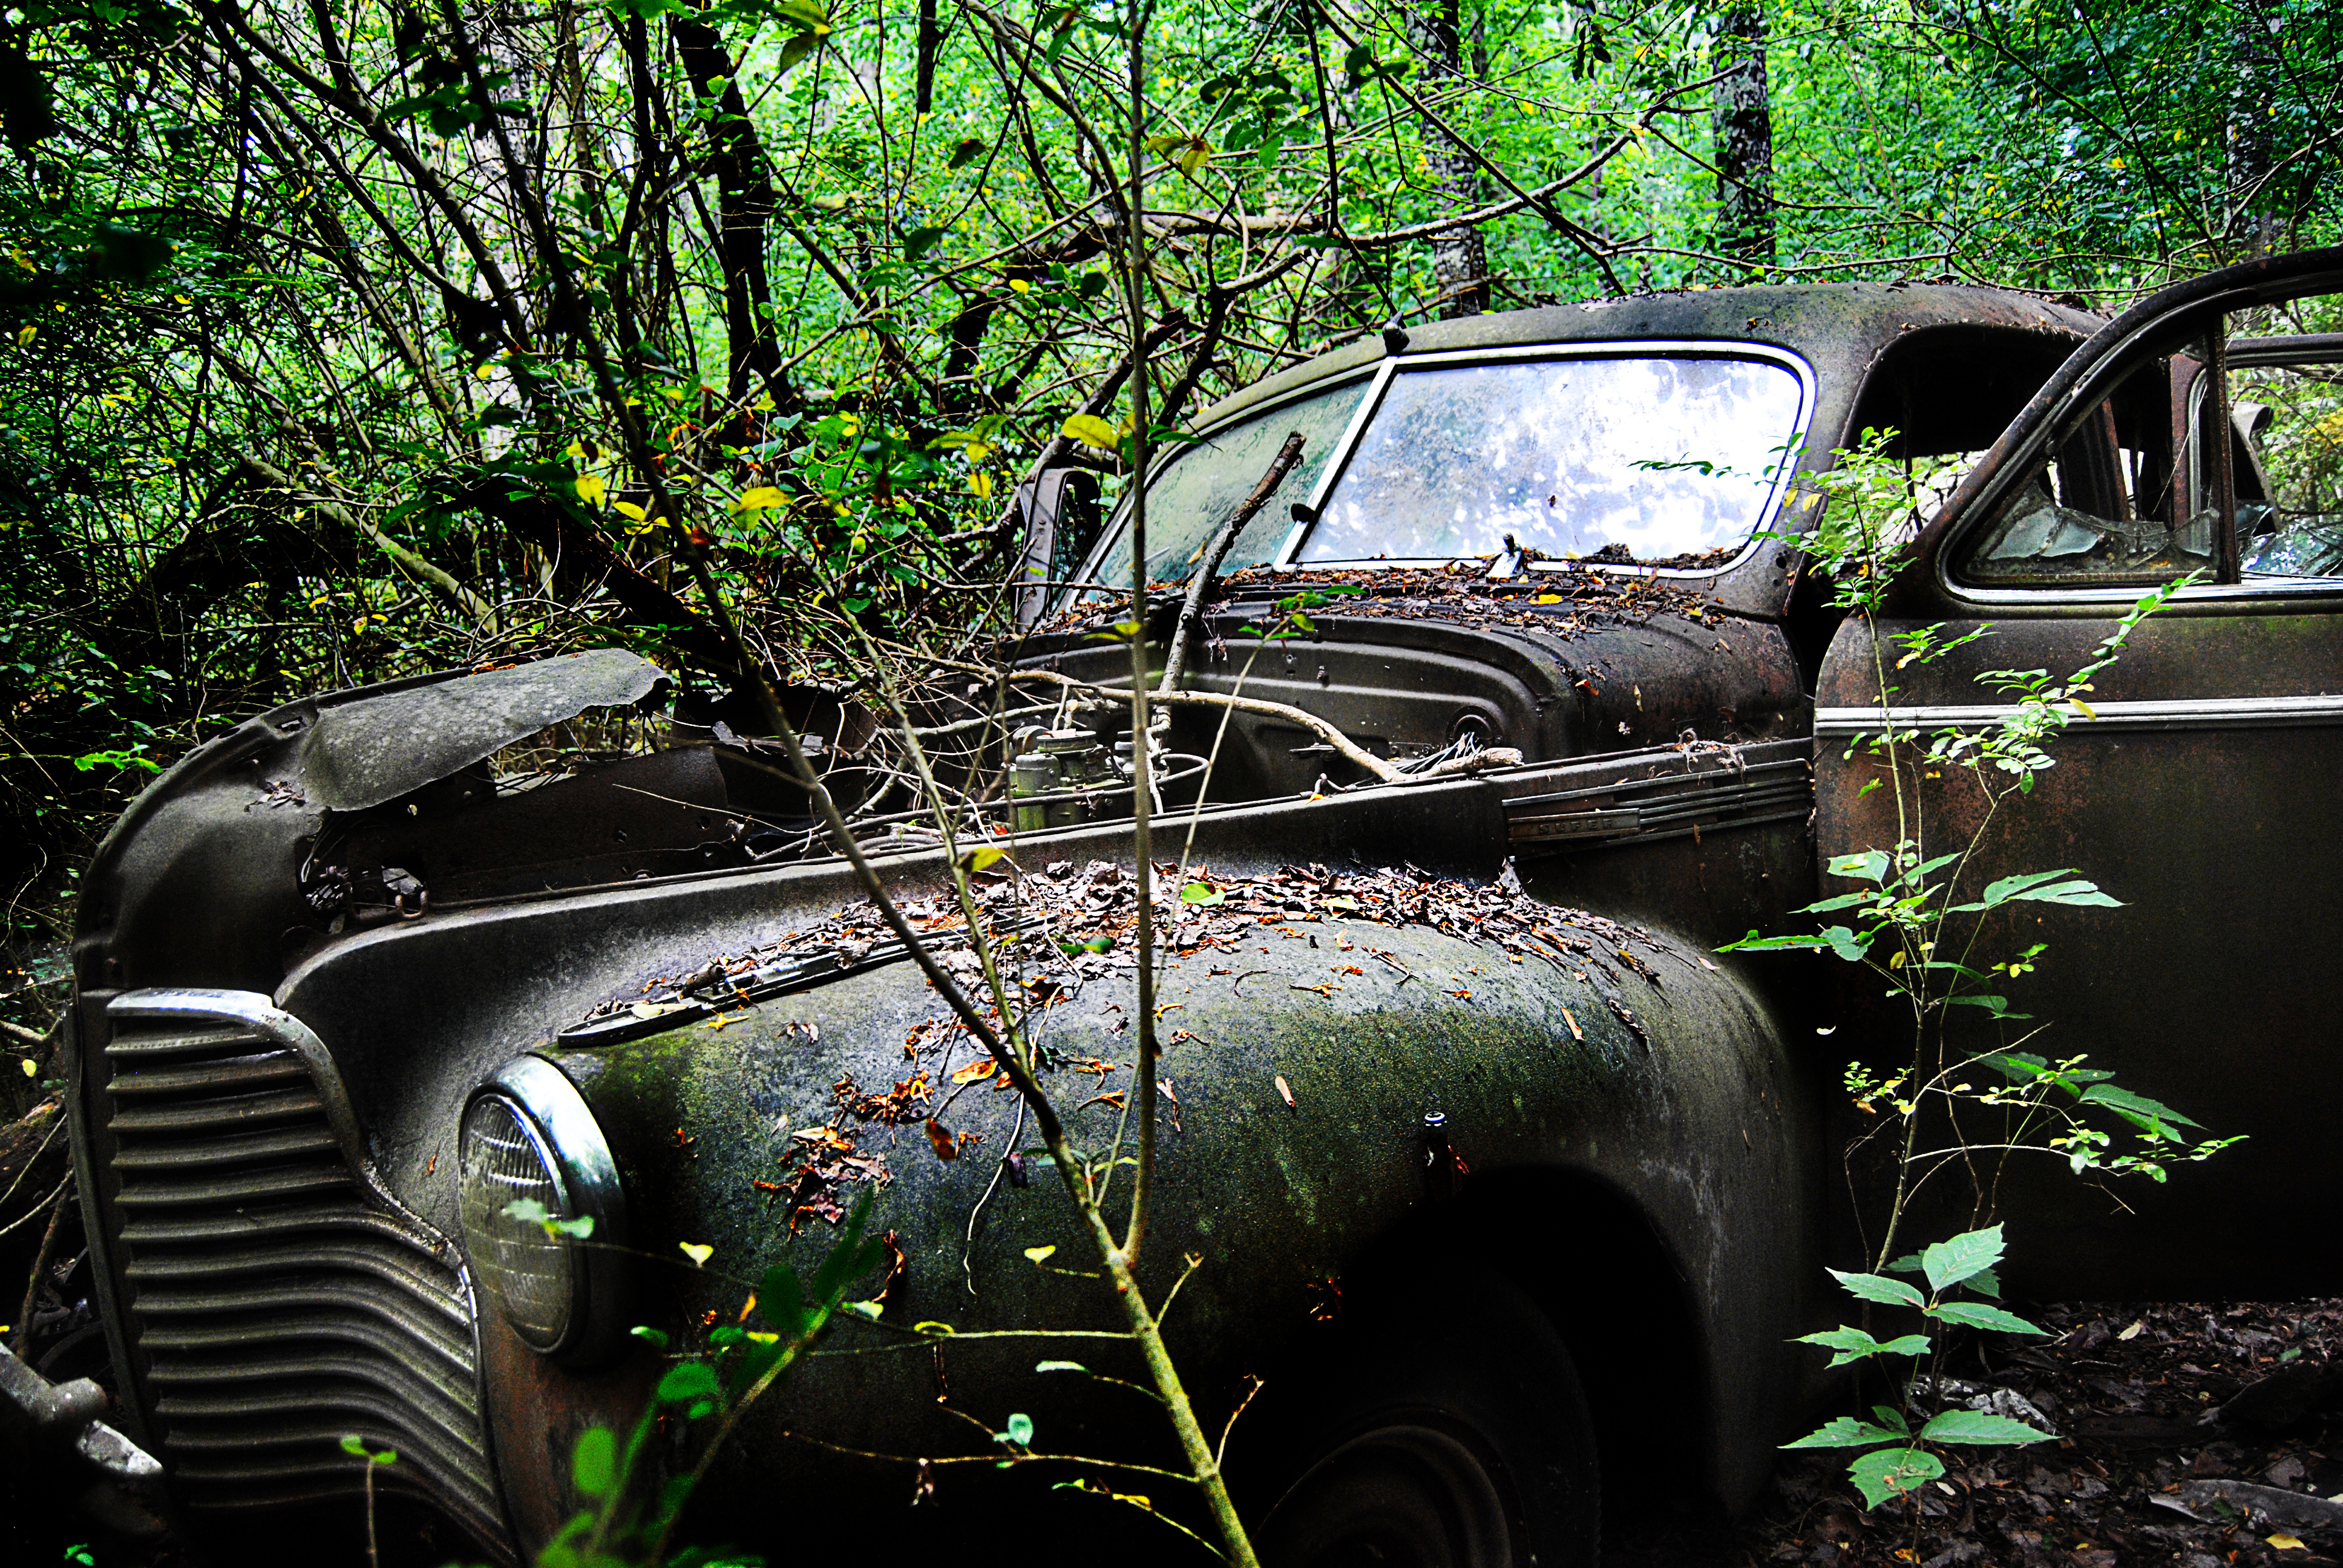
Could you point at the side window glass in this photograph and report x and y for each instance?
(2286, 401)
(2112, 504)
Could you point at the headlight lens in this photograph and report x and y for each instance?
(528, 1133)
(527, 1271)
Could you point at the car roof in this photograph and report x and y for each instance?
(1839, 328)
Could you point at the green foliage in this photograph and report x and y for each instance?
(1899, 1458)
(627, 1512)
(1906, 920)
(1908, 923)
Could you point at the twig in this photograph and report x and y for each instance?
(1200, 586)
(1384, 771)
(40, 1266)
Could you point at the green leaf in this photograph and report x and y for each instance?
(687, 1380)
(1949, 1262)
(1883, 1476)
(781, 1303)
(1845, 1431)
(1839, 940)
(1846, 944)
(1977, 1315)
(2147, 1115)
(1019, 1431)
(1853, 1345)
(1060, 1366)
(1996, 1005)
(657, 1337)
(2017, 1066)
(1092, 431)
(2044, 887)
(796, 49)
(1202, 893)
(976, 857)
(1977, 1426)
(1879, 1288)
(1871, 866)
(594, 1462)
(1754, 943)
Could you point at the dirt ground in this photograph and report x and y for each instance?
(2197, 1434)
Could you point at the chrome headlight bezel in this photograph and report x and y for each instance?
(585, 1177)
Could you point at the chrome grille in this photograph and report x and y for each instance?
(279, 1301)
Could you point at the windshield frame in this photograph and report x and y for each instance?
(1625, 348)
(1380, 376)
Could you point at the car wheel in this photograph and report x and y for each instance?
(1453, 1435)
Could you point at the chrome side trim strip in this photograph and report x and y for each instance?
(2200, 713)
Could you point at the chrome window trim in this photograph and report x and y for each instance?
(2170, 714)
(1531, 352)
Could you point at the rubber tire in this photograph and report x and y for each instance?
(1453, 1435)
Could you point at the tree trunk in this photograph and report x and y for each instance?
(2254, 205)
(1460, 260)
(1743, 125)
(931, 37)
(745, 203)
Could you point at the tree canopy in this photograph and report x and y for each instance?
(350, 338)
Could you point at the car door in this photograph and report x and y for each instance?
(2197, 783)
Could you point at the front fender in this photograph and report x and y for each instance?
(1690, 1113)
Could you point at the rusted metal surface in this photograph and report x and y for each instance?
(2197, 788)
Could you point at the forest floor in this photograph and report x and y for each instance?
(2203, 1435)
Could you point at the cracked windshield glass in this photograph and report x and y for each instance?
(1648, 458)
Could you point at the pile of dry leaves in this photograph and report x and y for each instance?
(1060, 927)
(1562, 603)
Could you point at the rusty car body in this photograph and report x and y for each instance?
(318, 940)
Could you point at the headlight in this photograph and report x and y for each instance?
(527, 1134)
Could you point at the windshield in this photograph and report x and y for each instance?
(1644, 457)
(1199, 490)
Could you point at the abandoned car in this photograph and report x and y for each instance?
(344, 987)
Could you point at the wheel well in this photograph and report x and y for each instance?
(1589, 1258)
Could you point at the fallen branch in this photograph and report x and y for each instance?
(1200, 585)
(1384, 772)
(437, 580)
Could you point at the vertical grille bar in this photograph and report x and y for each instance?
(278, 1298)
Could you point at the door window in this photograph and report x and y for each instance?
(2285, 400)
(2110, 505)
